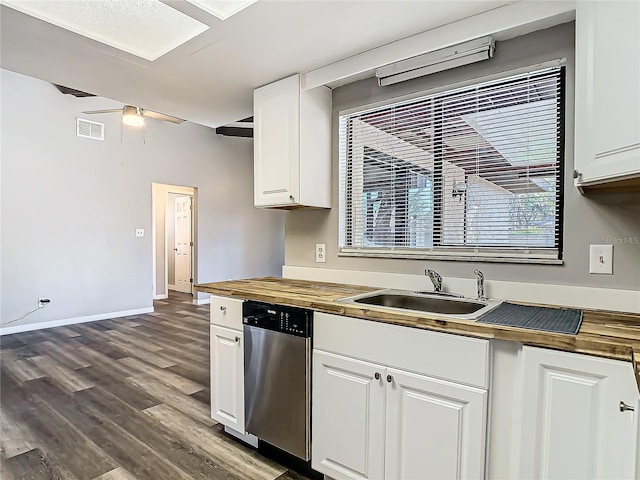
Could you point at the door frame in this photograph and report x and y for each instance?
(159, 201)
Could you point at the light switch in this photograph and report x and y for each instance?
(601, 259)
(139, 232)
(321, 254)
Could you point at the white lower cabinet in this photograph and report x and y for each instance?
(372, 422)
(227, 377)
(574, 425)
(434, 429)
(348, 414)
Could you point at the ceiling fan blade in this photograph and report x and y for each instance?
(161, 116)
(114, 110)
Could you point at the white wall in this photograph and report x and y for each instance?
(70, 206)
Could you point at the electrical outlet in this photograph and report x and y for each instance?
(42, 302)
(321, 253)
(139, 232)
(601, 259)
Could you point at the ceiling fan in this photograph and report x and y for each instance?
(134, 116)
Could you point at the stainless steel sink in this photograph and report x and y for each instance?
(445, 305)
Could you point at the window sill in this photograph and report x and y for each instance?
(462, 255)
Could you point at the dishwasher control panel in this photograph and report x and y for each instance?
(280, 318)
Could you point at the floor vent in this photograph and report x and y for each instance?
(89, 129)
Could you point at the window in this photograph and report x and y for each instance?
(475, 171)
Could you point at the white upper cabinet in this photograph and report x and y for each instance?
(607, 93)
(577, 420)
(292, 145)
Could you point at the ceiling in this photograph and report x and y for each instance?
(210, 79)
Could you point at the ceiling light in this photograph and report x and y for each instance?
(222, 9)
(132, 116)
(145, 28)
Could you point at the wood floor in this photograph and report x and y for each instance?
(125, 398)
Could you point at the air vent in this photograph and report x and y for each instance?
(89, 129)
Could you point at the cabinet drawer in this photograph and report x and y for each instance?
(226, 312)
(441, 355)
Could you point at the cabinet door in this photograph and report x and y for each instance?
(572, 424)
(607, 125)
(276, 117)
(434, 429)
(227, 377)
(347, 417)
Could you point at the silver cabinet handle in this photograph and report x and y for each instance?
(376, 376)
(292, 198)
(389, 378)
(223, 308)
(626, 408)
(237, 339)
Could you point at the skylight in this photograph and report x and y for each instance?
(222, 9)
(145, 28)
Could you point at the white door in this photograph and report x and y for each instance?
(183, 245)
(347, 417)
(435, 429)
(227, 377)
(572, 424)
(276, 116)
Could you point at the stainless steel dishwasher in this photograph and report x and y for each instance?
(277, 375)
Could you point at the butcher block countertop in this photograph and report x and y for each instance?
(607, 334)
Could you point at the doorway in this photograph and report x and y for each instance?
(179, 242)
(174, 239)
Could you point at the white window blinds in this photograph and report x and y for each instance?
(472, 171)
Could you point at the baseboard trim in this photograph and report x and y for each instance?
(28, 327)
(566, 295)
(164, 296)
(202, 301)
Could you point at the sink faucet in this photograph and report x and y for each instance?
(480, 284)
(435, 278)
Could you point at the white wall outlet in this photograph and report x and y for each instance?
(139, 232)
(601, 259)
(321, 253)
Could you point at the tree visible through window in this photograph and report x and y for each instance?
(474, 168)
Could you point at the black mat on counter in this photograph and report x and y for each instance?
(557, 320)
